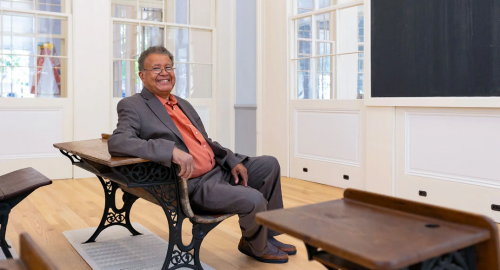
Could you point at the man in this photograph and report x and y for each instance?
(161, 127)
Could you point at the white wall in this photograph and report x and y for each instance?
(379, 155)
(273, 73)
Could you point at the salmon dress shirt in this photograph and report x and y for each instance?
(203, 155)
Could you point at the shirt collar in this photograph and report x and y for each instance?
(171, 100)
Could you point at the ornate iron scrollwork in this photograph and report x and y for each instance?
(168, 197)
(74, 158)
(146, 173)
(115, 218)
(167, 193)
(108, 186)
(179, 257)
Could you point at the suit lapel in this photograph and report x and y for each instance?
(160, 111)
(187, 113)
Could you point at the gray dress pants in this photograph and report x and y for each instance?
(216, 193)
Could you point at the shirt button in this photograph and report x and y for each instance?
(196, 132)
(204, 146)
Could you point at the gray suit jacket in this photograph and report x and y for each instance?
(146, 130)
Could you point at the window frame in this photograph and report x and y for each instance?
(190, 27)
(66, 39)
(293, 58)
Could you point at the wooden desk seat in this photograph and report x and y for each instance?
(14, 187)
(20, 182)
(140, 178)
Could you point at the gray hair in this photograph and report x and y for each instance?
(154, 50)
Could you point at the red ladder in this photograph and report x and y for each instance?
(47, 50)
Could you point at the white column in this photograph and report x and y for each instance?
(274, 92)
(92, 81)
(226, 75)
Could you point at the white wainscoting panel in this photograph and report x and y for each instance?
(452, 146)
(331, 136)
(30, 133)
(204, 113)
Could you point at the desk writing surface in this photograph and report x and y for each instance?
(371, 236)
(97, 151)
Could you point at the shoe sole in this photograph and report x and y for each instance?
(290, 252)
(260, 259)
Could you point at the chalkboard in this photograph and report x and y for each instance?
(435, 48)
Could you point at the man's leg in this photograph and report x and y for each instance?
(212, 193)
(264, 175)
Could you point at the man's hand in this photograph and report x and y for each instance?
(240, 170)
(186, 162)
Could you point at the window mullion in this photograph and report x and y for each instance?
(293, 53)
(337, 80)
(190, 59)
(188, 15)
(214, 59)
(312, 73)
(138, 12)
(333, 61)
(2, 52)
(36, 52)
(213, 15)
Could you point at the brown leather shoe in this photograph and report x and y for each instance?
(288, 249)
(273, 255)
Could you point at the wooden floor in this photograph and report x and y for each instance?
(76, 204)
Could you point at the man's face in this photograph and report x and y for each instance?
(160, 84)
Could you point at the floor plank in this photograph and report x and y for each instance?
(75, 204)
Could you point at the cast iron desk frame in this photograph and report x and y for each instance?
(163, 184)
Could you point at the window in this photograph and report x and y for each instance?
(33, 56)
(327, 49)
(184, 27)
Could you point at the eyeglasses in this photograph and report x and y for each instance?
(159, 70)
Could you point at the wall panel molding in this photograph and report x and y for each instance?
(328, 135)
(30, 133)
(458, 147)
